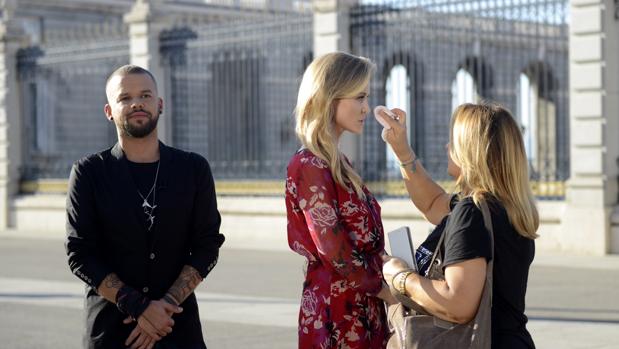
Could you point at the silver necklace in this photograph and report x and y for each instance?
(149, 209)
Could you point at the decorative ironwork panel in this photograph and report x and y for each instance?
(435, 54)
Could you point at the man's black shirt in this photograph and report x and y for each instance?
(106, 233)
(467, 238)
(143, 175)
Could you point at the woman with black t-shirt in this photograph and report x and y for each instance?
(486, 157)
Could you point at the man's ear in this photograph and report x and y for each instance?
(160, 105)
(108, 112)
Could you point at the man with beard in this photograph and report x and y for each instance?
(142, 227)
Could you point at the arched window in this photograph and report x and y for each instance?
(398, 95)
(537, 116)
(463, 89)
(527, 105)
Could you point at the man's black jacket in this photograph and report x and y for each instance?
(106, 233)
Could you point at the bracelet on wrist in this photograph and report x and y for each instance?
(408, 158)
(408, 162)
(131, 302)
(406, 279)
(412, 162)
(399, 281)
(170, 299)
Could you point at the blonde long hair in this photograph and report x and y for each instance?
(328, 78)
(486, 143)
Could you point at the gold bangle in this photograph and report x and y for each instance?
(394, 279)
(406, 279)
(401, 277)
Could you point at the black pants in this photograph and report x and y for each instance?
(165, 344)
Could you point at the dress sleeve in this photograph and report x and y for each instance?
(317, 198)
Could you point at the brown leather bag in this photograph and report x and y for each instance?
(413, 328)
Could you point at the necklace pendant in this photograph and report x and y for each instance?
(151, 222)
(147, 205)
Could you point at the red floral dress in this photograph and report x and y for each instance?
(342, 237)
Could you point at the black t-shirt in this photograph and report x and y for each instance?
(143, 175)
(467, 238)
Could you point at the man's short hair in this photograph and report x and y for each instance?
(130, 69)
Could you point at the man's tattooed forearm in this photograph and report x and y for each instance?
(187, 281)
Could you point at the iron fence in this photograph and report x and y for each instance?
(433, 55)
(62, 97)
(231, 84)
(233, 89)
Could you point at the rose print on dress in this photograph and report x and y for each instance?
(308, 303)
(323, 215)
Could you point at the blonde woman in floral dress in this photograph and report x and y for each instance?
(333, 220)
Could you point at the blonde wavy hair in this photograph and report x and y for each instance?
(328, 78)
(486, 143)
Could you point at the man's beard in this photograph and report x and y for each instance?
(139, 131)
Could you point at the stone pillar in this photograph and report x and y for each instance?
(594, 127)
(12, 39)
(332, 33)
(146, 21)
(611, 109)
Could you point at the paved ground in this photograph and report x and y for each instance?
(251, 299)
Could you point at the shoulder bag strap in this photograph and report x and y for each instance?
(440, 240)
(437, 250)
(485, 211)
